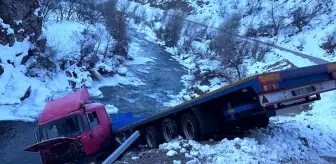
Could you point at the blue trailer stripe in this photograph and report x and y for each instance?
(241, 109)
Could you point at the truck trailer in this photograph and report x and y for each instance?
(72, 127)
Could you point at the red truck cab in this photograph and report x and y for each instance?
(69, 128)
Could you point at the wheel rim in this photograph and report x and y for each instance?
(188, 129)
(150, 138)
(167, 132)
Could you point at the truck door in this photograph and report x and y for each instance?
(94, 133)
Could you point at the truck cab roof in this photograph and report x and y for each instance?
(64, 105)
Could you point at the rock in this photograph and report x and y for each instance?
(176, 162)
(27, 94)
(122, 71)
(200, 90)
(183, 150)
(2, 70)
(186, 97)
(204, 88)
(194, 161)
(20, 21)
(171, 153)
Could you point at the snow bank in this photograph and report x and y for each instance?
(12, 89)
(171, 153)
(9, 53)
(111, 109)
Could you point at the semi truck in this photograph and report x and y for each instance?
(73, 127)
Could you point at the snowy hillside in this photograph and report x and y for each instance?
(196, 37)
(304, 138)
(80, 51)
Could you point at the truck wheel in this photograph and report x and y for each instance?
(153, 137)
(169, 129)
(190, 127)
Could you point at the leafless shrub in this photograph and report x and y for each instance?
(302, 15)
(89, 44)
(302, 42)
(136, 15)
(116, 24)
(88, 11)
(47, 7)
(254, 6)
(67, 9)
(235, 4)
(258, 52)
(271, 26)
(43, 64)
(223, 11)
(329, 43)
(173, 25)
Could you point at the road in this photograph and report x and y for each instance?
(309, 57)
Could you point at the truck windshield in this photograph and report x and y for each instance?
(71, 126)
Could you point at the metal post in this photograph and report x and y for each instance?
(121, 148)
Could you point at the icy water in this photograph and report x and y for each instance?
(161, 78)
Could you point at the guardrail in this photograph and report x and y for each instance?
(122, 148)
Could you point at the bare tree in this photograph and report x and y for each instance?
(257, 51)
(254, 6)
(173, 25)
(303, 15)
(231, 51)
(116, 24)
(89, 43)
(271, 26)
(87, 11)
(277, 20)
(47, 7)
(67, 9)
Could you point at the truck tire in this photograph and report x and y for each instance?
(190, 128)
(169, 129)
(153, 137)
